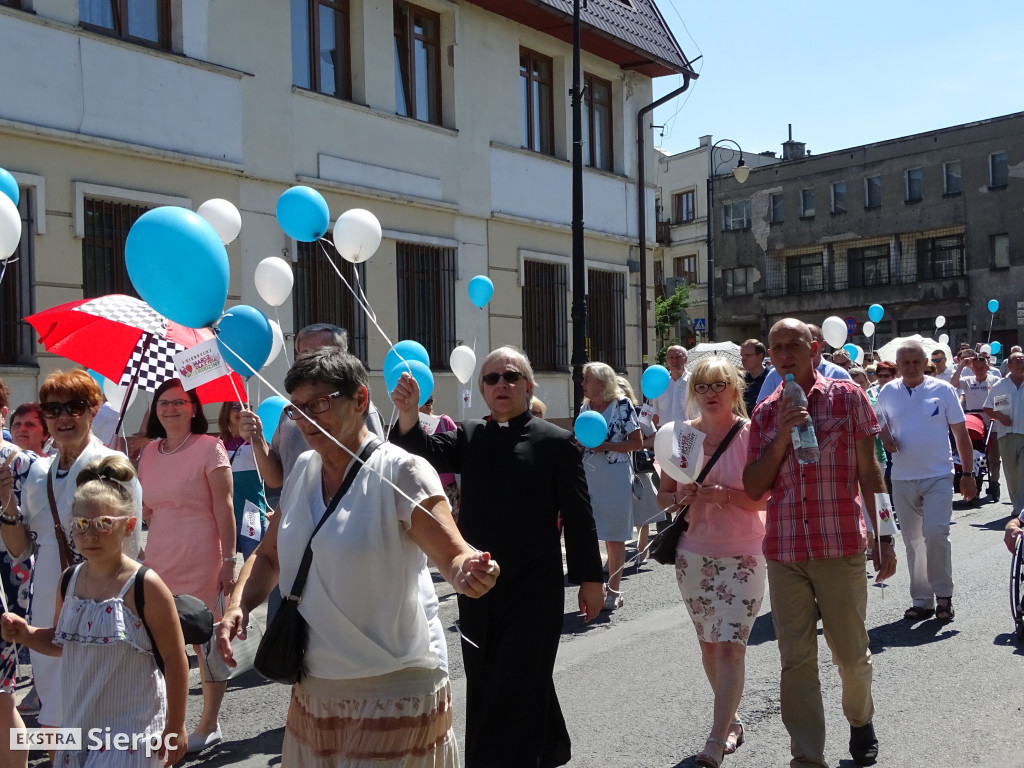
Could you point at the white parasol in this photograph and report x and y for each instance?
(727, 349)
(888, 352)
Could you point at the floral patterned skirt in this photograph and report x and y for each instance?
(722, 594)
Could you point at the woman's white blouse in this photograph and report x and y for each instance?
(361, 599)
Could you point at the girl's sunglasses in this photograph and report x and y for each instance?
(103, 525)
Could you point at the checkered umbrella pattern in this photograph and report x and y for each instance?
(120, 336)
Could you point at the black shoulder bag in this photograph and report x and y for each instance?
(281, 655)
(663, 546)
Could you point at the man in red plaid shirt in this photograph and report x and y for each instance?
(815, 542)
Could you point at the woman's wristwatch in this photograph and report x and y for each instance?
(886, 540)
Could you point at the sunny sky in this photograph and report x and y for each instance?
(844, 74)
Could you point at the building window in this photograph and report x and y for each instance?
(998, 169)
(915, 185)
(1000, 246)
(17, 339)
(951, 178)
(417, 63)
(537, 112)
(806, 203)
(685, 268)
(606, 317)
(940, 257)
(873, 192)
(839, 197)
(778, 208)
(319, 297)
(320, 47)
(11, 3)
(147, 22)
(736, 215)
(684, 207)
(106, 229)
(597, 123)
(868, 266)
(738, 282)
(805, 274)
(546, 315)
(426, 298)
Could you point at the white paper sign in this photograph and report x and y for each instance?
(467, 398)
(1001, 403)
(200, 364)
(679, 449)
(886, 520)
(428, 423)
(251, 526)
(646, 414)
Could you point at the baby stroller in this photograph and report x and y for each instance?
(1017, 588)
(979, 435)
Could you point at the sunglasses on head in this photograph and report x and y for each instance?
(102, 525)
(71, 408)
(510, 377)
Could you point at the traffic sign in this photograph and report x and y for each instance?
(851, 326)
(700, 324)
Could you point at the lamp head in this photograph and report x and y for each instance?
(741, 172)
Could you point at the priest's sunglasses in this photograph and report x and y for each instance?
(316, 405)
(510, 377)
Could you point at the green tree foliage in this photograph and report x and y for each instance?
(668, 311)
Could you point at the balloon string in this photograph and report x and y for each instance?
(284, 344)
(364, 305)
(333, 439)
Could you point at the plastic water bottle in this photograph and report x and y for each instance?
(805, 442)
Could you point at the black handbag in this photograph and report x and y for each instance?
(662, 548)
(643, 460)
(281, 655)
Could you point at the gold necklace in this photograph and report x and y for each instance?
(99, 594)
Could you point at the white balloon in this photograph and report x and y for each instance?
(275, 350)
(986, 349)
(944, 339)
(10, 227)
(869, 329)
(357, 235)
(834, 331)
(274, 280)
(115, 394)
(463, 363)
(940, 321)
(223, 217)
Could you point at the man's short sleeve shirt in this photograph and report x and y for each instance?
(813, 512)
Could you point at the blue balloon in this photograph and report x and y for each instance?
(179, 266)
(97, 377)
(993, 306)
(995, 347)
(851, 350)
(591, 429)
(269, 412)
(655, 381)
(405, 350)
(480, 290)
(419, 370)
(875, 312)
(303, 214)
(245, 338)
(9, 186)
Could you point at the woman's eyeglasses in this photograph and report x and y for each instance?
(316, 405)
(715, 386)
(102, 525)
(882, 375)
(236, 406)
(173, 403)
(71, 408)
(510, 377)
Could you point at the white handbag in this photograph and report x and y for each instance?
(243, 650)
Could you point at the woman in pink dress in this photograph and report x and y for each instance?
(187, 497)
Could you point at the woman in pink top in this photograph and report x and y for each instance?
(719, 564)
(187, 501)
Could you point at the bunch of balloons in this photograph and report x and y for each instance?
(409, 357)
(10, 218)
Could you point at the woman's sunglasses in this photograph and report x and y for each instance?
(511, 377)
(71, 408)
(103, 525)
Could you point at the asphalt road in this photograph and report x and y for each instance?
(634, 694)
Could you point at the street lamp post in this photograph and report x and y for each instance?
(740, 172)
(579, 300)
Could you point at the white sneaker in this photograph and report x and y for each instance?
(612, 600)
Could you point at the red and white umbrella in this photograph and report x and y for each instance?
(128, 342)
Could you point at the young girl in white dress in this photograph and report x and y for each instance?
(111, 682)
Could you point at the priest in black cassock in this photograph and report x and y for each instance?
(518, 474)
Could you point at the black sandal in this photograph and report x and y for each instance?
(944, 609)
(917, 613)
